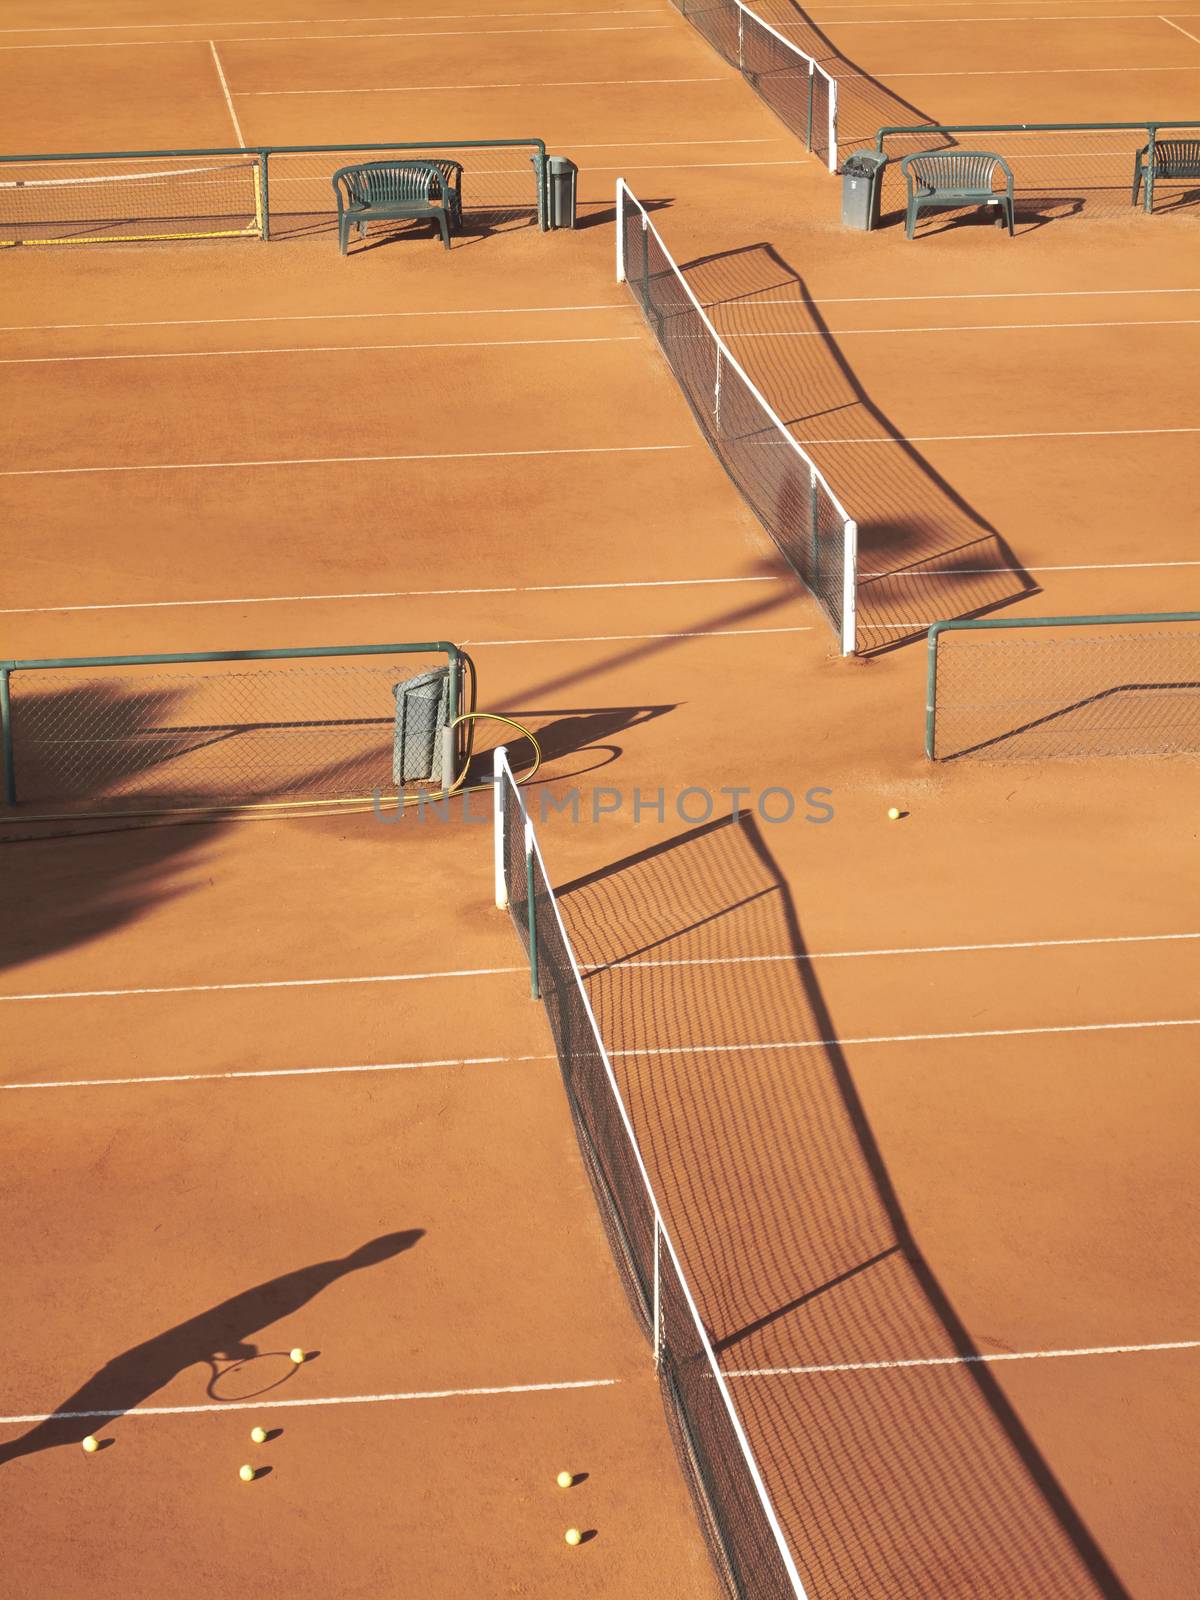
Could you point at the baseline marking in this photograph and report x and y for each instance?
(964, 438)
(233, 116)
(276, 1072)
(458, 88)
(413, 594)
(332, 38)
(903, 1038)
(324, 1400)
(959, 1361)
(604, 638)
(315, 22)
(683, 961)
(1021, 72)
(812, 333)
(331, 461)
(332, 349)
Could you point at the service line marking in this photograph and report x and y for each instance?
(331, 461)
(233, 116)
(320, 1400)
(970, 438)
(330, 349)
(458, 88)
(338, 38)
(831, 333)
(316, 22)
(682, 961)
(277, 1072)
(417, 594)
(1195, 38)
(960, 1361)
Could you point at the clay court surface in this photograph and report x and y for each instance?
(918, 1098)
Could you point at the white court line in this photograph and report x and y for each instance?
(321, 1400)
(416, 594)
(760, 1046)
(1091, 16)
(837, 333)
(691, 166)
(797, 300)
(1018, 72)
(960, 1361)
(233, 116)
(606, 638)
(685, 961)
(978, 572)
(457, 88)
(325, 349)
(329, 461)
(337, 38)
(315, 22)
(1195, 38)
(969, 438)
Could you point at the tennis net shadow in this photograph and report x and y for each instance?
(924, 552)
(888, 1481)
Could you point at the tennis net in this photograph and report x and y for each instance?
(81, 201)
(800, 92)
(230, 728)
(747, 1544)
(1044, 688)
(777, 477)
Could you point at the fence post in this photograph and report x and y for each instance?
(850, 591)
(931, 690)
(10, 777)
(499, 768)
(535, 987)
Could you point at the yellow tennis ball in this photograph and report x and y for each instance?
(259, 1435)
(297, 1356)
(246, 1473)
(893, 813)
(565, 1480)
(91, 1444)
(572, 1536)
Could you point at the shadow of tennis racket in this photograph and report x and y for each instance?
(224, 1384)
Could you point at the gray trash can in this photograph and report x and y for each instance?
(422, 711)
(561, 179)
(862, 180)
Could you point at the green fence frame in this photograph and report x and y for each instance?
(1150, 129)
(965, 625)
(264, 152)
(453, 654)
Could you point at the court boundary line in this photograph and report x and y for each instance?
(409, 594)
(316, 1400)
(458, 88)
(1193, 37)
(233, 116)
(337, 38)
(830, 333)
(330, 461)
(590, 971)
(328, 349)
(979, 438)
(315, 22)
(961, 1360)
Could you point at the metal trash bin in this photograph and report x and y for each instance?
(862, 181)
(561, 183)
(422, 711)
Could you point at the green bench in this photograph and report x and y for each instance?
(944, 180)
(377, 191)
(1172, 158)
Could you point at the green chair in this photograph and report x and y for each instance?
(1172, 158)
(392, 190)
(944, 180)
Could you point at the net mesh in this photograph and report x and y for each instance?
(1057, 174)
(778, 481)
(791, 82)
(729, 1504)
(1055, 693)
(283, 730)
(89, 202)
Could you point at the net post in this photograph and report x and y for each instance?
(657, 1329)
(10, 777)
(741, 40)
(833, 100)
(450, 732)
(264, 192)
(499, 768)
(812, 83)
(535, 988)
(850, 590)
(814, 524)
(931, 667)
(717, 394)
(646, 264)
(620, 230)
(1151, 162)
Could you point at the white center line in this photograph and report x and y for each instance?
(233, 116)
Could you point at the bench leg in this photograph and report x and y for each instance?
(343, 234)
(1008, 206)
(1137, 180)
(443, 218)
(910, 219)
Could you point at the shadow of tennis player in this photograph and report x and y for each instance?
(219, 1334)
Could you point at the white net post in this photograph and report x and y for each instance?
(620, 230)
(717, 393)
(741, 41)
(499, 768)
(657, 1330)
(833, 149)
(850, 589)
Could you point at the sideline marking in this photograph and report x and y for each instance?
(324, 1400)
(233, 116)
(961, 1361)
(330, 461)
(588, 971)
(579, 83)
(1195, 38)
(665, 1050)
(341, 349)
(967, 438)
(416, 594)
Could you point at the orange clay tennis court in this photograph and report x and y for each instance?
(916, 1098)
